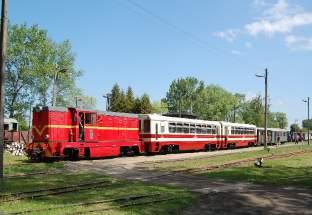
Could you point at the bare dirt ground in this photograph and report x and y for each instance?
(215, 197)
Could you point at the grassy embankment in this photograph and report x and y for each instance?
(116, 188)
(295, 170)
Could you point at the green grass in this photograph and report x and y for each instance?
(117, 188)
(199, 163)
(293, 171)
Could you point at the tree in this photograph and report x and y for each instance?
(182, 93)
(278, 120)
(159, 107)
(32, 61)
(115, 99)
(137, 105)
(307, 124)
(214, 103)
(294, 127)
(146, 106)
(253, 112)
(129, 100)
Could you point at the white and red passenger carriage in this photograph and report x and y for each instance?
(170, 134)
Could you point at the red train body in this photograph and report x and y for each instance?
(75, 134)
(78, 134)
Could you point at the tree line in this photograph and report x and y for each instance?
(208, 102)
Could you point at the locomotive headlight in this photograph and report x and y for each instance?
(46, 137)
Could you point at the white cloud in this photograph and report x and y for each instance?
(259, 3)
(236, 52)
(283, 25)
(281, 18)
(248, 45)
(229, 35)
(278, 10)
(299, 43)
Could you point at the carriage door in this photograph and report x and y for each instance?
(226, 134)
(81, 127)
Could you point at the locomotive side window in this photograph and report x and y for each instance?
(147, 125)
(90, 118)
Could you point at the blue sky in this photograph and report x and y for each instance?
(148, 43)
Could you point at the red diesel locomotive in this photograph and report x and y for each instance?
(77, 134)
(73, 133)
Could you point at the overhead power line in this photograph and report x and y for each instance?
(162, 20)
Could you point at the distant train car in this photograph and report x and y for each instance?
(238, 135)
(74, 133)
(275, 135)
(172, 134)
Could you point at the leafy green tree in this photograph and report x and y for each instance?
(146, 106)
(253, 112)
(307, 124)
(159, 107)
(182, 93)
(129, 100)
(214, 103)
(278, 120)
(32, 61)
(294, 127)
(115, 99)
(137, 105)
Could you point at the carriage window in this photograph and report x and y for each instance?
(209, 129)
(204, 129)
(90, 118)
(186, 128)
(147, 125)
(172, 128)
(162, 129)
(198, 129)
(214, 129)
(179, 127)
(192, 128)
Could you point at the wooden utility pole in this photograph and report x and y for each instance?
(266, 110)
(3, 44)
(308, 120)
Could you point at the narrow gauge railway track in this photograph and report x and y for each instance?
(227, 165)
(123, 200)
(22, 175)
(240, 162)
(52, 191)
(232, 151)
(125, 205)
